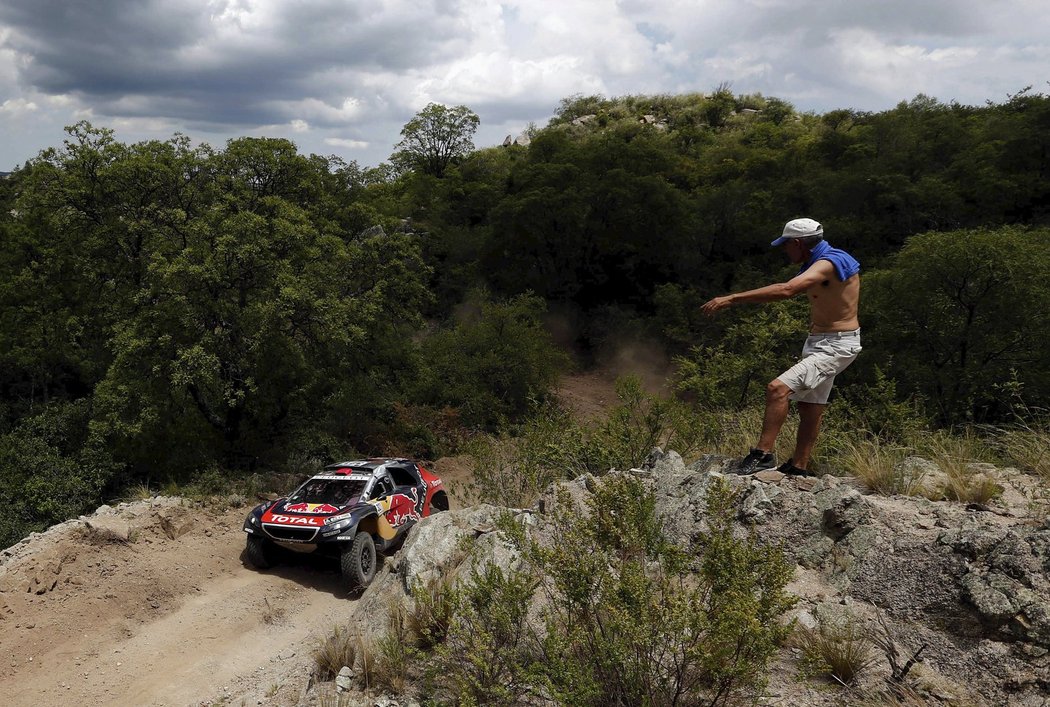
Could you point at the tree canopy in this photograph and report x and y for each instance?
(435, 137)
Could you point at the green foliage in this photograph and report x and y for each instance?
(435, 137)
(208, 304)
(512, 471)
(632, 619)
(551, 445)
(960, 312)
(487, 657)
(493, 362)
(754, 349)
(46, 474)
(877, 408)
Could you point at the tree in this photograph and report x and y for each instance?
(960, 314)
(435, 137)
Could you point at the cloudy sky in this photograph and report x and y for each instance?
(343, 76)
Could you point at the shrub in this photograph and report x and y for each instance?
(492, 364)
(487, 657)
(633, 619)
(551, 445)
(753, 350)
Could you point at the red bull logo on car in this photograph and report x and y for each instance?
(311, 508)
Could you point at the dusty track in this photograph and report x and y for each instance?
(161, 620)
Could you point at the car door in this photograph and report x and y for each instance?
(401, 510)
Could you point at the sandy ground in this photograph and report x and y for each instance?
(173, 616)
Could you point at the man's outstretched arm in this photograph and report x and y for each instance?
(821, 270)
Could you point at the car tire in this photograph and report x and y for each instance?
(358, 563)
(260, 552)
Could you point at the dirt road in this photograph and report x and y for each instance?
(166, 619)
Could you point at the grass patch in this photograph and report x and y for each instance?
(393, 652)
(1027, 447)
(958, 456)
(433, 610)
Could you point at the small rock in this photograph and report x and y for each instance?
(806, 483)
(770, 476)
(344, 679)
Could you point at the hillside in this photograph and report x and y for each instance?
(150, 603)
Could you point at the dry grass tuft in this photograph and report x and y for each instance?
(433, 609)
(878, 466)
(1026, 447)
(842, 651)
(338, 649)
(393, 652)
(329, 696)
(958, 456)
(139, 492)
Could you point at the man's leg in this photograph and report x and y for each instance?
(777, 405)
(810, 415)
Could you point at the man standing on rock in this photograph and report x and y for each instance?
(831, 280)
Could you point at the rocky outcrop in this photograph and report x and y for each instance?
(971, 586)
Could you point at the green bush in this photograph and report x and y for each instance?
(47, 474)
(488, 655)
(493, 363)
(758, 346)
(633, 619)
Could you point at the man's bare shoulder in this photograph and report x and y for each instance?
(815, 274)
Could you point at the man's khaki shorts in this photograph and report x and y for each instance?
(823, 357)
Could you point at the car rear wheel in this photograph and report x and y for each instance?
(358, 563)
(260, 552)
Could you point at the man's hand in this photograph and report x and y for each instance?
(716, 304)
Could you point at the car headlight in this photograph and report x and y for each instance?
(339, 520)
(253, 519)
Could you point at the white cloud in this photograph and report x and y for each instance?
(343, 142)
(348, 75)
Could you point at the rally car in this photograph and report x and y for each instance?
(352, 510)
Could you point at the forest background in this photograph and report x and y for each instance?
(173, 314)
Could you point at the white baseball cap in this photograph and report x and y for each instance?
(799, 228)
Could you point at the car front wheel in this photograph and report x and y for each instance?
(260, 552)
(358, 563)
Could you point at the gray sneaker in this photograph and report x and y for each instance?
(756, 460)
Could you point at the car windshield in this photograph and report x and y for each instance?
(336, 492)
